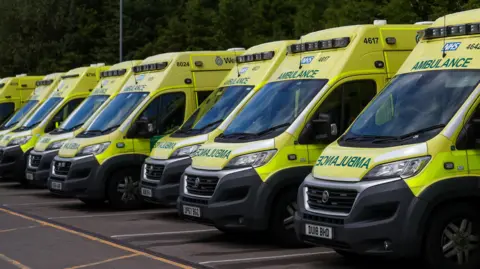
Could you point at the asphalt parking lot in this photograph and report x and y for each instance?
(39, 230)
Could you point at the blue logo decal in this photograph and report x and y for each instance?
(243, 70)
(307, 59)
(451, 46)
(140, 77)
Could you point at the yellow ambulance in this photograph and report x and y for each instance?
(161, 172)
(404, 179)
(41, 157)
(247, 177)
(14, 93)
(73, 88)
(103, 163)
(43, 89)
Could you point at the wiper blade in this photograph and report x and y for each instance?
(232, 135)
(273, 128)
(423, 130)
(369, 138)
(203, 128)
(110, 128)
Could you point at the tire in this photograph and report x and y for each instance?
(123, 189)
(92, 202)
(281, 222)
(448, 233)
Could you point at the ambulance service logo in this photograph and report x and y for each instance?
(451, 46)
(218, 61)
(307, 59)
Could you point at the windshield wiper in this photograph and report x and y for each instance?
(239, 135)
(412, 134)
(110, 128)
(369, 138)
(273, 128)
(205, 127)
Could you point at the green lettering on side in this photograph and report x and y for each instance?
(443, 63)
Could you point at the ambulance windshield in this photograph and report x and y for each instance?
(413, 106)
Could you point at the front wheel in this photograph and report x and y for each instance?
(282, 221)
(124, 189)
(452, 238)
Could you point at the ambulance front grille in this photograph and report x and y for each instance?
(201, 186)
(333, 200)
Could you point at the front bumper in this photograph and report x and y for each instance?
(162, 185)
(38, 166)
(78, 177)
(233, 202)
(12, 162)
(376, 223)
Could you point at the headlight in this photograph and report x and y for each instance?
(93, 149)
(185, 151)
(253, 159)
(55, 145)
(402, 169)
(19, 140)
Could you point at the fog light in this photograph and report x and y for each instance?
(387, 244)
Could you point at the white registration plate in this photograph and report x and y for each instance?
(56, 185)
(191, 211)
(319, 231)
(29, 176)
(146, 192)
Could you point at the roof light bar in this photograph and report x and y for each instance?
(44, 82)
(113, 73)
(320, 45)
(149, 67)
(70, 76)
(452, 30)
(261, 56)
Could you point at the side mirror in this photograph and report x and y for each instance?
(141, 128)
(325, 130)
(475, 132)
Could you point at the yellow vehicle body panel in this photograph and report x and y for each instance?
(108, 85)
(76, 83)
(337, 65)
(180, 71)
(254, 73)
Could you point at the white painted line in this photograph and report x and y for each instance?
(270, 257)
(8, 183)
(108, 215)
(14, 193)
(44, 203)
(164, 233)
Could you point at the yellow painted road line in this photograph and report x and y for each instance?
(13, 262)
(104, 261)
(96, 239)
(15, 229)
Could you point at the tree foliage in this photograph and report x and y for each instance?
(44, 36)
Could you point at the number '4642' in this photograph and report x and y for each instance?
(370, 40)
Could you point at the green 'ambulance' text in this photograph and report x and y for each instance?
(349, 161)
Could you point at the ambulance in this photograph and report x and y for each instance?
(41, 157)
(161, 172)
(43, 89)
(404, 179)
(14, 93)
(73, 88)
(247, 177)
(103, 163)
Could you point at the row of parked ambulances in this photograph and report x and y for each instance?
(362, 138)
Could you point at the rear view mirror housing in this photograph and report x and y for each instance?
(326, 131)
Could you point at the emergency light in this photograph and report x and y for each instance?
(261, 56)
(452, 30)
(44, 82)
(320, 45)
(113, 73)
(71, 76)
(149, 67)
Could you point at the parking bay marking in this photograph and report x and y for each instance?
(104, 261)
(110, 215)
(269, 257)
(13, 262)
(19, 228)
(43, 203)
(163, 233)
(78, 232)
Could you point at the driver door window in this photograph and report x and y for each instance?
(6, 110)
(63, 114)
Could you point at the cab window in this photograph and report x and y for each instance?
(345, 103)
(201, 96)
(467, 139)
(6, 109)
(167, 112)
(63, 114)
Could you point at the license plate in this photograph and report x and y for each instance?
(191, 211)
(29, 176)
(146, 192)
(56, 185)
(319, 231)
